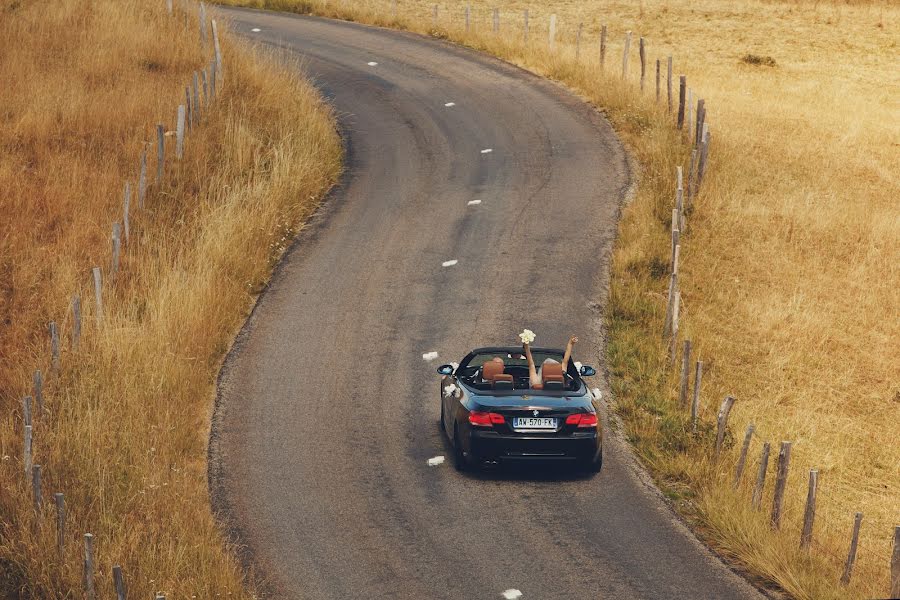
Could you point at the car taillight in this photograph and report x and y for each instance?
(582, 420)
(485, 419)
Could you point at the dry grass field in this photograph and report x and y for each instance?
(124, 433)
(790, 265)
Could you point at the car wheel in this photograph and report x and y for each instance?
(459, 459)
(596, 464)
(443, 427)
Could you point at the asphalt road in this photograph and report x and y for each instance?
(327, 411)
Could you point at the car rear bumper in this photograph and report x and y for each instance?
(488, 446)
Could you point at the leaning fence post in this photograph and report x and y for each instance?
(603, 34)
(38, 390)
(695, 403)
(60, 501)
(669, 81)
(685, 374)
(784, 461)
(98, 281)
(202, 17)
(643, 54)
(54, 346)
(552, 34)
(179, 133)
(578, 42)
(625, 52)
(126, 208)
(682, 89)
(220, 73)
(809, 515)
(26, 410)
(160, 152)
(761, 475)
(116, 249)
(119, 582)
(36, 487)
(701, 117)
(742, 460)
(76, 326)
(26, 449)
(851, 555)
(89, 567)
(895, 565)
(722, 422)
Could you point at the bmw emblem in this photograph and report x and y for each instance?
(536, 412)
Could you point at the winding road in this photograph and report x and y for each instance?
(327, 412)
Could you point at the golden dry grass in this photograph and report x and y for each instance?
(790, 268)
(125, 432)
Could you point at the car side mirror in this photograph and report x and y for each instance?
(445, 369)
(587, 371)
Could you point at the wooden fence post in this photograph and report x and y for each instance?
(160, 152)
(701, 116)
(685, 374)
(761, 475)
(692, 173)
(742, 460)
(675, 257)
(169, 7)
(578, 42)
(212, 80)
(89, 590)
(434, 16)
(670, 304)
(552, 33)
(119, 582)
(60, 501)
(676, 238)
(809, 515)
(781, 475)
(722, 422)
(116, 249)
(26, 449)
(126, 208)
(196, 90)
(603, 35)
(704, 153)
(203, 78)
(220, 72)
(525, 28)
(695, 403)
(682, 89)
(179, 133)
(496, 20)
(189, 107)
(98, 281)
(54, 346)
(26, 410)
(643, 54)
(688, 122)
(142, 180)
(895, 565)
(202, 17)
(36, 487)
(657, 80)
(625, 52)
(679, 197)
(851, 555)
(676, 307)
(76, 326)
(37, 389)
(669, 81)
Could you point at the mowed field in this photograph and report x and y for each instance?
(124, 430)
(790, 265)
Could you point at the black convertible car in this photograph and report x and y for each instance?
(491, 414)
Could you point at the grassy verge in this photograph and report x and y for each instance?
(125, 429)
(789, 265)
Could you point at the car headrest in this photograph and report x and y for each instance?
(554, 385)
(502, 382)
(491, 369)
(551, 371)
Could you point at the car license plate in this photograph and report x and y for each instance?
(534, 423)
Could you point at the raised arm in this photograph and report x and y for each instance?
(532, 370)
(565, 363)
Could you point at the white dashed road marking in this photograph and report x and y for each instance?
(372, 63)
(487, 150)
(437, 460)
(449, 104)
(429, 356)
(512, 594)
(474, 202)
(256, 30)
(449, 263)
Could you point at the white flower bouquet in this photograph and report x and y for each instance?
(527, 336)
